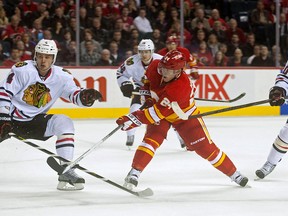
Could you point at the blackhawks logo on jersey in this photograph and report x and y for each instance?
(37, 95)
(20, 64)
(130, 61)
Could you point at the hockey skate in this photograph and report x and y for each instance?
(238, 178)
(130, 140)
(265, 170)
(70, 181)
(131, 180)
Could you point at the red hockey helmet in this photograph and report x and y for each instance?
(171, 64)
(173, 60)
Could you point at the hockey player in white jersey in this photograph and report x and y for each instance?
(29, 91)
(130, 74)
(279, 148)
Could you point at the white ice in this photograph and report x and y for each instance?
(183, 183)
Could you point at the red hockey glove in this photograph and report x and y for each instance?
(277, 95)
(5, 126)
(88, 96)
(128, 121)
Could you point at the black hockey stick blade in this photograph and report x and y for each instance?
(51, 161)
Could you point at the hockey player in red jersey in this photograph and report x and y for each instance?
(172, 43)
(168, 83)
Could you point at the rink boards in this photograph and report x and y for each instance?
(218, 84)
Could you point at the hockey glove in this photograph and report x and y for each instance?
(277, 95)
(88, 96)
(194, 73)
(5, 126)
(128, 121)
(127, 88)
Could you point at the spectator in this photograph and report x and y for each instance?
(279, 59)
(58, 16)
(69, 7)
(151, 10)
(67, 57)
(215, 16)
(51, 6)
(204, 54)
(200, 17)
(200, 26)
(256, 53)
(88, 36)
(142, 23)
(21, 48)
(58, 31)
(213, 44)
(134, 38)
(111, 12)
(104, 59)
(14, 58)
(119, 26)
(3, 20)
(100, 34)
(37, 31)
(72, 27)
(29, 44)
(105, 22)
(122, 44)
(234, 44)
(161, 22)
(234, 29)
(283, 35)
(90, 56)
(219, 60)
(27, 7)
(248, 47)
(263, 60)
(237, 59)
(173, 17)
(127, 20)
(89, 5)
(133, 8)
(157, 40)
(218, 30)
(175, 30)
(42, 14)
(116, 58)
(84, 19)
(128, 54)
(223, 48)
(261, 23)
(200, 36)
(13, 29)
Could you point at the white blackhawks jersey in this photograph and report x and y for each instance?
(27, 94)
(133, 68)
(282, 78)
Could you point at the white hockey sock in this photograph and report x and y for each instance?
(275, 156)
(65, 146)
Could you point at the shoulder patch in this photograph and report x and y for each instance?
(130, 61)
(67, 71)
(21, 64)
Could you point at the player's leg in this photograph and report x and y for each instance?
(278, 150)
(197, 138)
(154, 136)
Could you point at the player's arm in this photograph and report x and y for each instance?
(123, 80)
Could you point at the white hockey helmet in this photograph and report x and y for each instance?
(146, 44)
(45, 46)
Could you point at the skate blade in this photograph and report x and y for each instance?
(65, 186)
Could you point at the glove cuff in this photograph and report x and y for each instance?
(134, 119)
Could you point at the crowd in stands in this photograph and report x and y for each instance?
(218, 33)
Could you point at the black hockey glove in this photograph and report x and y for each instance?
(277, 95)
(127, 88)
(5, 126)
(88, 96)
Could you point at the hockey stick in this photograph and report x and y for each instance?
(142, 193)
(208, 100)
(62, 169)
(176, 108)
(223, 101)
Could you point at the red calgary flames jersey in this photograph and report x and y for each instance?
(180, 90)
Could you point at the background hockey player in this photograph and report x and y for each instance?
(280, 145)
(29, 91)
(172, 43)
(168, 82)
(130, 74)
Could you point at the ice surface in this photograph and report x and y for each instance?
(183, 183)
